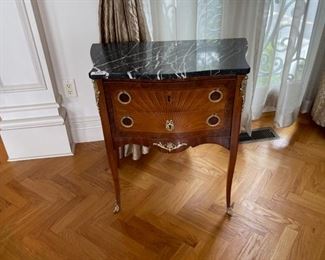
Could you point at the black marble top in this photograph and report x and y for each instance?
(169, 59)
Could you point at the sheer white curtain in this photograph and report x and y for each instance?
(290, 45)
(283, 39)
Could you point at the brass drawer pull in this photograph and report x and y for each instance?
(127, 121)
(215, 96)
(124, 97)
(213, 120)
(170, 125)
(170, 146)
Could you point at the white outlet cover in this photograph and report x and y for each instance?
(69, 87)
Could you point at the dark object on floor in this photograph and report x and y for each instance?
(260, 134)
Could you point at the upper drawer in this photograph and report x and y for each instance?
(187, 103)
(171, 97)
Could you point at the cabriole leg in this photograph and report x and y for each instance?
(235, 129)
(113, 159)
(230, 174)
(112, 152)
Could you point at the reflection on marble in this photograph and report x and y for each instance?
(169, 59)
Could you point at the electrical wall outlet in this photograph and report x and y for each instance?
(70, 88)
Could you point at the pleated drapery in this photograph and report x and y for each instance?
(123, 21)
(318, 111)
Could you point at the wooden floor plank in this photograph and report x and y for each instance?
(173, 205)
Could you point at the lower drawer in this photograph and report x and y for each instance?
(177, 122)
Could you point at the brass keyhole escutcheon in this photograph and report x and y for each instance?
(170, 125)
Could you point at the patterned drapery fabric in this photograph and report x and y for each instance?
(123, 21)
(318, 111)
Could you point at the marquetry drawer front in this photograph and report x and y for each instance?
(178, 122)
(172, 107)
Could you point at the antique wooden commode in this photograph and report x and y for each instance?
(170, 95)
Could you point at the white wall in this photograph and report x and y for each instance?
(15, 47)
(71, 26)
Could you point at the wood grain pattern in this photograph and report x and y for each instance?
(184, 122)
(185, 102)
(3, 153)
(185, 95)
(60, 208)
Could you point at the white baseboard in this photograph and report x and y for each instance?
(86, 129)
(40, 157)
(35, 138)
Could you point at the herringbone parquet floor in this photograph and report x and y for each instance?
(173, 205)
